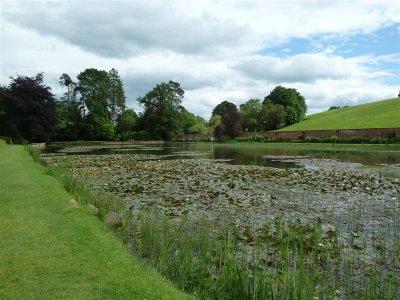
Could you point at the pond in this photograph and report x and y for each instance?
(343, 188)
(279, 155)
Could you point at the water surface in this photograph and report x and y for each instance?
(247, 154)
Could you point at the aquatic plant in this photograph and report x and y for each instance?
(288, 260)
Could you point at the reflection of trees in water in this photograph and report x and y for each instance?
(253, 155)
(249, 154)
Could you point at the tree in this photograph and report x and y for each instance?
(95, 88)
(70, 94)
(200, 126)
(67, 128)
(273, 116)
(5, 125)
(219, 131)
(3, 115)
(221, 108)
(214, 122)
(126, 123)
(288, 97)
(117, 95)
(70, 124)
(250, 112)
(162, 109)
(232, 122)
(188, 120)
(192, 123)
(30, 108)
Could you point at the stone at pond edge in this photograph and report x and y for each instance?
(93, 209)
(73, 203)
(113, 219)
(328, 230)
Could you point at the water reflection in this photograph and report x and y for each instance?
(245, 154)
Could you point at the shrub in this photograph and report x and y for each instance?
(142, 135)
(127, 135)
(253, 139)
(6, 139)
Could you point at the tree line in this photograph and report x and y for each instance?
(93, 107)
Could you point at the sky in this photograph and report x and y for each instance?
(332, 52)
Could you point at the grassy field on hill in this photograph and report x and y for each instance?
(53, 251)
(380, 114)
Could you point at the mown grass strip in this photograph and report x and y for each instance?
(51, 250)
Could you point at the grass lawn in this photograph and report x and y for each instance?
(380, 114)
(51, 250)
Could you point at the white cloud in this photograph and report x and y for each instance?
(298, 68)
(209, 47)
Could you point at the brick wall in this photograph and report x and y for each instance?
(340, 133)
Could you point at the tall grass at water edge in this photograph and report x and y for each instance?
(287, 260)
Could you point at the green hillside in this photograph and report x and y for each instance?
(380, 114)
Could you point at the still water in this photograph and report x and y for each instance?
(247, 154)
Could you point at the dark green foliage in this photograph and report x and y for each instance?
(117, 95)
(3, 115)
(95, 89)
(192, 123)
(142, 135)
(219, 131)
(253, 139)
(336, 107)
(222, 108)
(291, 115)
(200, 126)
(99, 128)
(250, 112)
(30, 109)
(214, 122)
(232, 122)
(126, 124)
(273, 116)
(70, 124)
(288, 97)
(93, 115)
(162, 110)
(70, 121)
(188, 120)
(2, 108)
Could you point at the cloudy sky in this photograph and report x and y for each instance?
(334, 53)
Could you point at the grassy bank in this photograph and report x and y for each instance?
(380, 114)
(49, 249)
